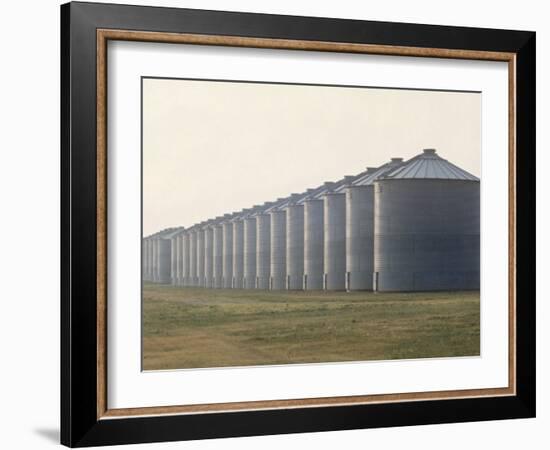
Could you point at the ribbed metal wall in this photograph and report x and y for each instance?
(359, 237)
(335, 241)
(200, 258)
(278, 250)
(193, 259)
(154, 262)
(313, 244)
(238, 254)
(249, 262)
(263, 250)
(185, 260)
(179, 276)
(154, 265)
(227, 267)
(145, 260)
(426, 235)
(150, 259)
(295, 246)
(164, 260)
(208, 257)
(173, 260)
(217, 256)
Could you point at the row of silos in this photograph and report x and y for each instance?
(405, 226)
(158, 251)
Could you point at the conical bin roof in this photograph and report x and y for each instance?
(429, 166)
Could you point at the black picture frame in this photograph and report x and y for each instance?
(80, 425)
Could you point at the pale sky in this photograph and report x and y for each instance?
(211, 148)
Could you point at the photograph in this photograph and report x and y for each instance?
(289, 221)
(292, 223)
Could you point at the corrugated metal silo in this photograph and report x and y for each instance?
(227, 267)
(145, 259)
(313, 244)
(295, 243)
(208, 256)
(249, 249)
(238, 253)
(173, 260)
(360, 227)
(185, 259)
(154, 262)
(193, 258)
(151, 258)
(168, 244)
(263, 250)
(148, 256)
(314, 237)
(200, 256)
(427, 225)
(277, 272)
(179, 280)
(359, 237)
(217, 256)
(335, 238)
(164, 260)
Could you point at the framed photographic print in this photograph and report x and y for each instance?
(277, 224)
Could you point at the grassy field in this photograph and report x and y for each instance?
(187, 327)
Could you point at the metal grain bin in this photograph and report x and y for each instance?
(427, 227)
(360, 227)
(200, 256)
(164, 260)
(173, 260)
(217, 256)
(249, 250)
(314, 236)
(335, 237)
(263, 250)
(278, 250)
(154, 264)
(208, 256)
(179, 278)
(227, 268)
(145, 259)
(313, 243)
(171, 235)
(294, 246)
(150, 263)
(185, 259)
(193, 281)
(359, 237)
(238, 253)
(334, 241)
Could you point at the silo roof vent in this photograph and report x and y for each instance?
(345, 182)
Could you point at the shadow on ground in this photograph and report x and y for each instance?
(50, 434)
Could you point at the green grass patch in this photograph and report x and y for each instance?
(191, 328)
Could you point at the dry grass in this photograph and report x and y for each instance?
(187, 327)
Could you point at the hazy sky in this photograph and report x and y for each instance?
(215, 147)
